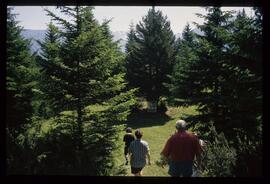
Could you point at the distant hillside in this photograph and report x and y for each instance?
(35, 35)
(197, 31)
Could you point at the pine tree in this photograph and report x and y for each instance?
(246, 87)
(20, 83)
(180, 85)
(150, 55)
(223, 78)
(201, 82)
(19, 75)
(245, 54)
(86, 67)
(50, 72)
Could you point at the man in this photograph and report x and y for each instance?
(128, 138)
(180, 151)
(138, 150)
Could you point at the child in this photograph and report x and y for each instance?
(128, 138)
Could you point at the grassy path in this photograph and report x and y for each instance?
(156, 130)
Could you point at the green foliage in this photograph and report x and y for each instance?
(150, 55)
(220, 72)
(180, 85)
(49, 64)
(249, 154)
(218, 158)
(20, 73)
(49, 147)
(162, 105)
(79, 65)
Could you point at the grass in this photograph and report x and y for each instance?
(156, 130)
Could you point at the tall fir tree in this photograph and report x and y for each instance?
(83, 69)
(223, 74)
(245, 81)
(20, 83)
(150, 55)
(200, 83)
(223, 78)
(245, 86)
(180, 85)
(19, 75)
(50, 71)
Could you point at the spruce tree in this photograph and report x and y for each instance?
(20, 83)
(180, 86)
(50, 71)
(245, 54)
(150, 55)
(245, 81)
(223, 72)
(19, 75)
(86, 66)
(200, 83)
(223, 78)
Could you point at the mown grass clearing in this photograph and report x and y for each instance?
(156, 130)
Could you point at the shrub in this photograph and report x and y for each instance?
(51, 146)
(249, 155)
(162, 106)
(218, 158)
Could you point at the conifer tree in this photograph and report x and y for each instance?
(50, 72)
(201, 82)
(245, 55)
(223, 74)
(19, 75)
(180, 85)
(86, 69)
(223, 78)
(20, 83)
(150, 55)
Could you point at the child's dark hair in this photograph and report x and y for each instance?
(138, 134)
(129, 130)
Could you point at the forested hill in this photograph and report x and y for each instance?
(40, 34)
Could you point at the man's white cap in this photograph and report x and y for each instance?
(180, 125)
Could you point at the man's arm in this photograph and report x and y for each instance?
(198, 153)
(148, 156)
(199, 160)
(165, 153)
(164, 160)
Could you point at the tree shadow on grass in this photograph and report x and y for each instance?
(143, 119)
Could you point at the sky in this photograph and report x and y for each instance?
(34, 17)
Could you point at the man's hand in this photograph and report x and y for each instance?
(199, 161)
(164, 161)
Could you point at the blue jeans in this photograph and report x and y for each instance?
(180, 168)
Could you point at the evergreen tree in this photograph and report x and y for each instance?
(245, 81)
(19, 75)
(180, 85)
(150, 55)
(202, 78)
(223, 78)
(83, 68)
(20, 83)
(245, 54)
(50, 72)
